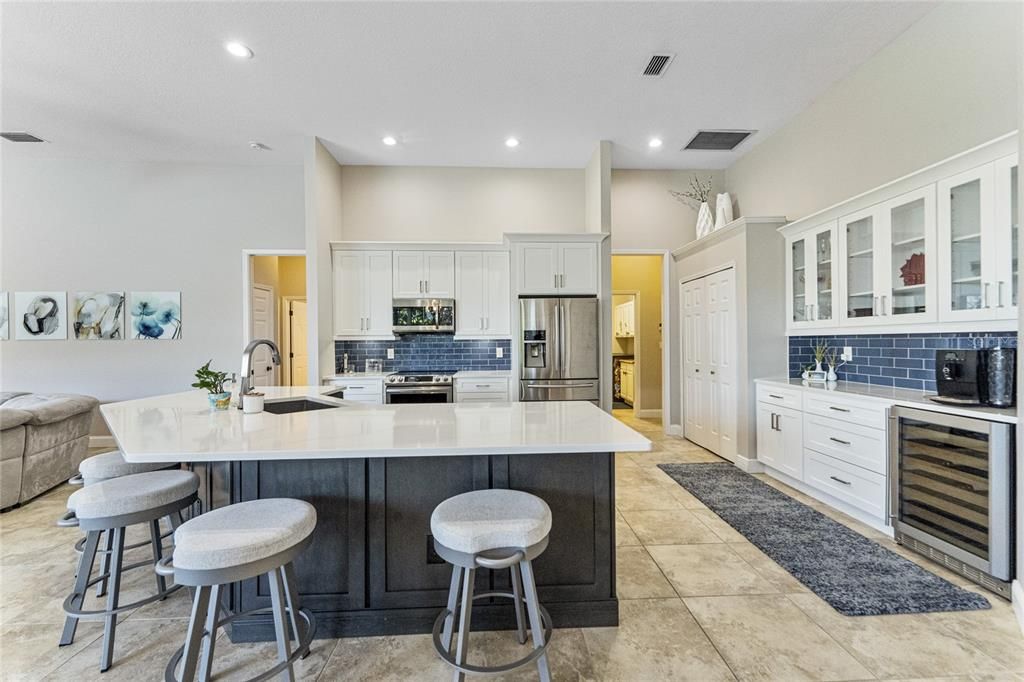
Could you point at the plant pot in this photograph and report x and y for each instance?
(219, 401)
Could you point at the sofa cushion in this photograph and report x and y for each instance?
(7, 395)
(47, 408)
(11, 417)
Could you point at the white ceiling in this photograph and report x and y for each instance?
(451, 81)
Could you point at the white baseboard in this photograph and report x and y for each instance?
(674, 430)
(1017, 594)
(748, 464)
(102, 442)
(648, 414)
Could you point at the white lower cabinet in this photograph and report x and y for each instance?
(481, 389)
(830, 445)
(360, 390)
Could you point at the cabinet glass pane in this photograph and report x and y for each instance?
(965, 235)
(908, 258)
(860, 259)
(823, 259)
(799, 279)
(1014, 224)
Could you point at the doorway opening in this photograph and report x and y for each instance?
(274, 307)
(636, 343)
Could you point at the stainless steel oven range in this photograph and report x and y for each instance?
(952, 492)
(419, 386)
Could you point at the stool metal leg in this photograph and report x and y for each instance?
(291, 593)
(194, 634)
(85, 562)
(158, 553)
(465, 617)
(210, 636)
(517, 592)
(536, 627)
(453, 603)
(114, 590)
(280, 622)
(101, 587)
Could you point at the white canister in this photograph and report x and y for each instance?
(723, 210)
(252, 403)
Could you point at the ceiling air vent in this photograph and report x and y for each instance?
(21, 137)
(718, 140)
(657, 64)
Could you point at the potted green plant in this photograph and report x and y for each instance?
(213, 382)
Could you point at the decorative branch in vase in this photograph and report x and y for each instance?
(697, 197)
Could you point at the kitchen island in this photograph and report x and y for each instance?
(375, 473)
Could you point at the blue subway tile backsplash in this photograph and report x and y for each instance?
(426, 352)
(899, 360)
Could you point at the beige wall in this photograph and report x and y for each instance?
(404, 203)
(646, 216)
(287, 276)
(643, 274)
(945, 85)
(291, 273)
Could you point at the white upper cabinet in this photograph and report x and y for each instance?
(810, 275)
(558, 268)
(483, 293)
(1007, 226)
(424, 273)
(362, 293)
(624, 320)
(887, 254)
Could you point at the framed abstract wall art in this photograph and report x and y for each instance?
(156, 315)
(98, 315)
(40, 315)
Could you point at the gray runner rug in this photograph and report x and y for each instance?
(857, 576)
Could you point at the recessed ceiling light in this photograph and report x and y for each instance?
(654, 142)
(259, 146)
(389, 141)
(238, 50)
(511, 142)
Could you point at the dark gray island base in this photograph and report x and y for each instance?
(371, 568)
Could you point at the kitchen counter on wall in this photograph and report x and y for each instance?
(900, 396)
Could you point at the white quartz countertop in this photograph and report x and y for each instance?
(900, 396)
(182, 427)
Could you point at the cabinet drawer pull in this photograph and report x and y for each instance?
(838, 409)
(777, 397)
(836, 440)
(839, 480)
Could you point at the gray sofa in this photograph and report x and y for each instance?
(43, 439)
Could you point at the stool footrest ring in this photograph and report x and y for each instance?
(92, 615)
(532, 657)
(301, 651)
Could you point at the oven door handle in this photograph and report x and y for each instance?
(437, 388)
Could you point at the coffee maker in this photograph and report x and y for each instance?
(976, 377)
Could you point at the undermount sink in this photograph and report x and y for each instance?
(290, 405)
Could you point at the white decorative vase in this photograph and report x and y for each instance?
(817, 366)
(832, 376)
(723, 210)
(705, 224)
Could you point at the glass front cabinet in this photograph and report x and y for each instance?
(977, 234)
(810, 269)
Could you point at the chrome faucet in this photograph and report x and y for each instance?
(275, 355)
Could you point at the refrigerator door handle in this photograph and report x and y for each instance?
(565, 346)
(585, 384)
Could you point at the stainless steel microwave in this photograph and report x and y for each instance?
(423, 315)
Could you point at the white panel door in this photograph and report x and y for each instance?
(578, 274)
(409, 274)
(470, 292)
(298, 326)
(349, 272)
(537, 268)
(439, 274)
(720, 307)
(695, 408)
(378, 294)
(261, 310)
(498, 302)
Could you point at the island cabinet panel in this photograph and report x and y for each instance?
(336, 488)
(404, 570)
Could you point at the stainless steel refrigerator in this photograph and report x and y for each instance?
(560, 358)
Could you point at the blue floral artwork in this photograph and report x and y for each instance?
(156, 315)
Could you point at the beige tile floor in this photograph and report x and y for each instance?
(697, 602)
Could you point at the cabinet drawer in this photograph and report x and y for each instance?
(776, 395)
(481, 386)
(865, 412)
(483, 398)
(851, 484)
(852, 443)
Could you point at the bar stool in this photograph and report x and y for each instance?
(103, 467)
(234, 543)
(110, 506)
(492, 529)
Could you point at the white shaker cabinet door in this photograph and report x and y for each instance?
(409, 275)
(439, 274)
(470, 293)
(348, 272)
(498, 297)
(378, 293)
(578, 274)
(538, 268)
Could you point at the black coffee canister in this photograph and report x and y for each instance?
(1001, 370)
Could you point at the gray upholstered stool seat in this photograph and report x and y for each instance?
(242, 533)
(108, 508)
(235, 543)
(111, 465)
(131, 494)
(490, 519)
(493, 529)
